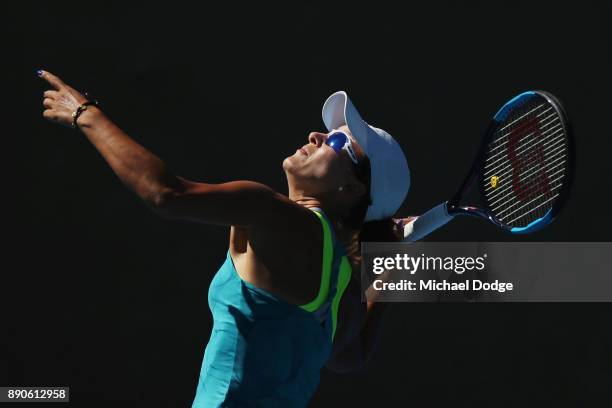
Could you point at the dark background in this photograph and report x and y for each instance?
(100, 294)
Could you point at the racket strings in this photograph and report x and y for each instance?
(526, 163)
(548, 120)
(553, 129)
(556, 160)
(553, 149)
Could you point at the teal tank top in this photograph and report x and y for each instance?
(264, 351)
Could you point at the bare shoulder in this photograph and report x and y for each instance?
(284, 258)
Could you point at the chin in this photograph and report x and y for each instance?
(289, 162)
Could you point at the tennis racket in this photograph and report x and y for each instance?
(523, 170)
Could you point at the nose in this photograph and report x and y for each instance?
(317, 138)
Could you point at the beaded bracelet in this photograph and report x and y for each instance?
(81, 109)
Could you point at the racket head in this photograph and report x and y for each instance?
(525, 167)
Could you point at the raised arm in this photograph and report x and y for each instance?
(233, 203)
(354, 353)
(359, 350)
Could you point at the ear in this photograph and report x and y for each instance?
(356, 187)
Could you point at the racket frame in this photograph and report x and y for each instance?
(455, 209)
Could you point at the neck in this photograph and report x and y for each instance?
(308, 201)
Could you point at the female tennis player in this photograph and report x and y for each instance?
(287, 300)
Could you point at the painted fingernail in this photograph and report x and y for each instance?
(39, 72)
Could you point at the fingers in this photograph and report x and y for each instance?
(51, 94)
(55, 116)
(49, 114)
(50, 99)
(52, 80)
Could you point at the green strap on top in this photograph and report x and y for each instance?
(326, 267)
(344, 277)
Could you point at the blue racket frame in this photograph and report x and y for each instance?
(444, 212)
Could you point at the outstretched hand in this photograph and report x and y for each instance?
(61, 101)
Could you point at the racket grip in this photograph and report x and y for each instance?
(426, 223)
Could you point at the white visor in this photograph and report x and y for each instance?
(390, 176)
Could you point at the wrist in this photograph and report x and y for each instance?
(89, 117)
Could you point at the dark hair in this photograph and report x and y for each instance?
(384, 230)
